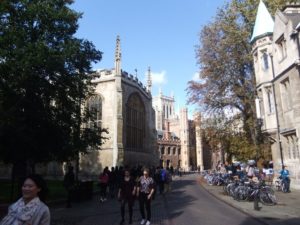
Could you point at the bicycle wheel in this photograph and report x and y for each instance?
(225, 189)
(267, 197)
(241, 194)
(284, 187)
(278, 185)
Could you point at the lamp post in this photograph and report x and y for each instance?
(276, 113)
(259, 123)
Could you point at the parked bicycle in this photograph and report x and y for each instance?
(282, 185)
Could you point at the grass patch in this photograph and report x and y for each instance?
(6, 191)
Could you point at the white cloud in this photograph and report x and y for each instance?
(196, 77)
(159, 77)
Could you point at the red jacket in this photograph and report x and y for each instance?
(103, 178)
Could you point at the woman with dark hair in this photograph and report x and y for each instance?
(30, 209)
(145, 192)
(126, 194)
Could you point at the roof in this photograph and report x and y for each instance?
(264, 23)
(294, 18)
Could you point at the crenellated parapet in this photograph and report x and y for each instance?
(103, 75)
(132, 80)
(168, 142)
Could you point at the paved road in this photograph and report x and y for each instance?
(191, 204)
(187, 204)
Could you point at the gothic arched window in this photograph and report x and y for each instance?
(94, 107)
(135, 123)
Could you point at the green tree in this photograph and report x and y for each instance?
(224, 135)
(227, 81)
(44, 78)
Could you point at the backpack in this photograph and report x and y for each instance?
(163, 175)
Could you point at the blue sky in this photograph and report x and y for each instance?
(161, 34)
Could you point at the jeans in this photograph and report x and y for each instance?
(129, 201)
(145, 202)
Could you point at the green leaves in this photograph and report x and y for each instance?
(44, 78)
(226, 69)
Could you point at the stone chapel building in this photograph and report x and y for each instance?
(124, 107)
(276, 55)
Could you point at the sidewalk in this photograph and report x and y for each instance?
(286, 212)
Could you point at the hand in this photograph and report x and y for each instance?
(137, 194)
(149, 196)
(133, 192)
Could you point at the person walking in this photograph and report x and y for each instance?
(126, 194)
(145, 190)
(30, 209)
(69, 182)
(103, 180)
(112, 182)
(162, 181)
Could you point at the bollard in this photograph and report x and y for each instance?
(256, 200)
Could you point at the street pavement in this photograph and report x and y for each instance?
(107, 213)
(190, 202)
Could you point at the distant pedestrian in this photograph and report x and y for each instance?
(145, 190)
(162, 180)
(112, 182)
(250, 171)
(126, 194)
(69, 183)
(103, 180)
(168, 181)
(156, 178)
(285, 176)
(30, 209)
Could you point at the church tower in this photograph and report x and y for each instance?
(185, 139)
(199, 147)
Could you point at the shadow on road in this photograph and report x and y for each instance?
(179, 198)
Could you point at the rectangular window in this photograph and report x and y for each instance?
(292, 146)
(270, 100)
(281, 47)
(265, 60)
(286, 99)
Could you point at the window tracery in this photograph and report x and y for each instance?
(94, 108)
(135, 123)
